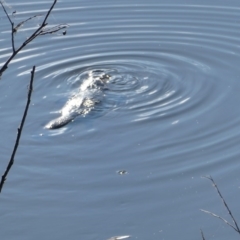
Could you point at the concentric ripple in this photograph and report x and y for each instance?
(171, 62)
(145, 88)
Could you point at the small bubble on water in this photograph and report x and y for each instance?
(122, 172)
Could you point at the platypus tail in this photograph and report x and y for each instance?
(59, 122)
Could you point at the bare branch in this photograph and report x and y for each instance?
(236, 228)
(11, 161)
(39, 31)
(203, 238)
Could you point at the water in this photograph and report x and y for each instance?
(169, 115)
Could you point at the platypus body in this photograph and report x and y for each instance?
(90, 93)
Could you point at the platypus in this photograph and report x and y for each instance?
(90, 93)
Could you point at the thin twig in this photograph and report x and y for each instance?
(12, 25)
(217, 216)
(49, 11)
(235, 226)
(4, 176)
(53, 29)
(6, 12)
(21, 23)
(203, 238)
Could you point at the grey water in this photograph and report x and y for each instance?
(169, 115)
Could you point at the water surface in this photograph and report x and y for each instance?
(168, 116)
